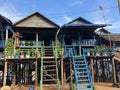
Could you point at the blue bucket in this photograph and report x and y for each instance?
(31, 88)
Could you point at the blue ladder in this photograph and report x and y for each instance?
(82, 74)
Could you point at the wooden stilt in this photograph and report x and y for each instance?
(62, 81)
(70, 70)
(92, 69)
(36, 74)
(114, 71)
(64, 71)
(5, 73)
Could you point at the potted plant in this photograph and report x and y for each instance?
(96, 50)
(103, 50)
(9, 48)
(17, 54)
(33, 52)
(27, 54)
(60, 49)
(22, 54)
(37, 52)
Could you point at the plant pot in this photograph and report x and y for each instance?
(27, 56)
(16, 57)
(88, 53)
(22, 56)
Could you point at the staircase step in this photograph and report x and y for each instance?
(82, 76)
(50, 70)
(80, 65)
(80, 68)
(85, 89)
(84, 84)
(84, 80)
(49, 80)
(49, 65)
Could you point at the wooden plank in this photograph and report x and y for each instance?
(36, 21)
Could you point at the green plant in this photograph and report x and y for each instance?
(32, 52)
(60, 49)
(9, 48)
(71, 87)
(17, 51)
(38, 54)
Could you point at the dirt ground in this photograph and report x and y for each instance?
(98, 86)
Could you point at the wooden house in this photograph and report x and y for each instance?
(37, 44)
(5, 27)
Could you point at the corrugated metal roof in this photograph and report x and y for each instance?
(86, 25)
(111, 37)
(5, 19)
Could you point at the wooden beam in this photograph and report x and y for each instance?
(5, 73)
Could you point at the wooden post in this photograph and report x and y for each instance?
(92, 69)
(64, 70)
(70, 70)
(114, 71)
(6, 35)
(5, 73)
(36, 74)
(80, 50)
(36, 40)
(62, 81)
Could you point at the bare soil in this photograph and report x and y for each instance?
(98, 86)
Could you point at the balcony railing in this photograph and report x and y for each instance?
(2, 43)
(88, 42)
(29, 44)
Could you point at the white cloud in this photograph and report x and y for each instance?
(10, 12)
(76, 3)
(67, 19)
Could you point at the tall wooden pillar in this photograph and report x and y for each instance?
(114, 71)
(70, 70)
(5, 73)
(6, 35)
(92, 69)
(36, 74)
(62, 81)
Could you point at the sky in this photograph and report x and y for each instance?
(64, 11)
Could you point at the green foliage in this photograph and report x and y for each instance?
(9, 48)
(9, 44)
(32, 52)
(60, 49)
(71, 87)
(18, 51)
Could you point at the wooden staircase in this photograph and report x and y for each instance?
(49, 69)
(82, 74)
